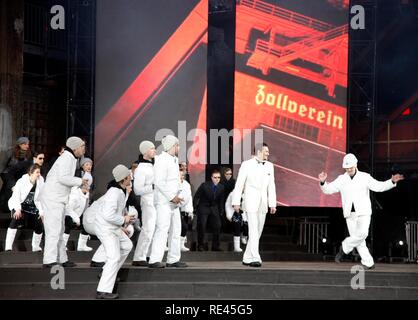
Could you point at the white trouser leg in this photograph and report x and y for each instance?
(10, 238)
(174, 251)
(358, 228)
(54, 219)
(162, 227)
(99, 255)
(149, 219)
(65, 236)
(251, 253)
(117, 249)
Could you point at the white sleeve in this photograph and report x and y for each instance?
(188, 201)
(38, 204)
(379, 186)
(272, 190)
(110, 214)
(229, 210)
(239, 185)
(66, 177)
(160, 179)
(139, 183)
(330, 188)
(14, 201)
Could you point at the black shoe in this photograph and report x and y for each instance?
(156, 265)
(95, 264)
(106, 295)
(340, 255)
(217, 249)
(140, 263)
(177, 264)
(200, 248)
(255, 264)
(245, 264)
(69, 264)
(50, 265)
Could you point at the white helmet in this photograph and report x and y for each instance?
(349, 161)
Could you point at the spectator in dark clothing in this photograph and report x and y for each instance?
(209, 205)
(21, 152)
(227, 181)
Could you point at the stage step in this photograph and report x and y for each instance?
(228, 280)
(11, 258)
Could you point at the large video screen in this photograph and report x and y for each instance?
(291, 82)
(150, 75)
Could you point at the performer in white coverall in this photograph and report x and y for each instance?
(256, 181)
(54, 196)
(144, 187)
(167, 200)
(110, 228)
(354, 187)
(89, 217)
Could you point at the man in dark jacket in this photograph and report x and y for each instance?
(209, 205)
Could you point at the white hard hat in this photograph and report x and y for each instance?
(349, 161)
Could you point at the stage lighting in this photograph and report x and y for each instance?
(324, 240)
(400, 242)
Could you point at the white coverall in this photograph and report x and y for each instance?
(54, 197)
(356, 192)
(108, 228)
(167, 187)
(144, 187)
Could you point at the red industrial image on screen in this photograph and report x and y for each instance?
(281, 56)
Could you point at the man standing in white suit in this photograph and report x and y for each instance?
(167, 201)
(354, 187)
(256, 181)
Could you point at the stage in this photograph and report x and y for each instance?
(215, 280)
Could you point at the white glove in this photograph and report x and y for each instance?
(76, 220)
